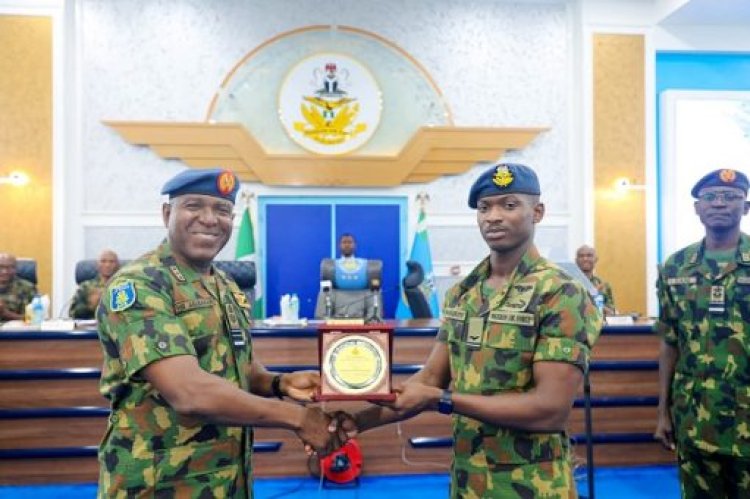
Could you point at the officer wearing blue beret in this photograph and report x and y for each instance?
(704, 322)
(505, 178)
(178, 363)
(510, 354)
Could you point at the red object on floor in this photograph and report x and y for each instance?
(343, 465)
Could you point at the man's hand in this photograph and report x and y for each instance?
(315, 433)
(342, 427)
(664, 432)
(2, 310)
(94, 296)
(301, 385)
(414, 397)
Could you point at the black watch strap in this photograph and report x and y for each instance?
(276, 386)
(445, 404)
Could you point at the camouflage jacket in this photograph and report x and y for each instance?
(79, 306)
(605, 290)
(17, 295)
(705, 314)
(542, 314)
(154, 308)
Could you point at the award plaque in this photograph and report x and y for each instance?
(355, 362)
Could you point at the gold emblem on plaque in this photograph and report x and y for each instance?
(355, 364)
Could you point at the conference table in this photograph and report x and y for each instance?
(53, 416)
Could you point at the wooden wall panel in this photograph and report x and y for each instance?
(619, 151)
(26, 140)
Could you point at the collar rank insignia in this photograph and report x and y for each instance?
(503, 177)
(122, 297)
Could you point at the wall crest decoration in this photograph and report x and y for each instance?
(328, 106)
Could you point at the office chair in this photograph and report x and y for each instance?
(26, 269)
(420, 308)
(355, 293)
(243, 273)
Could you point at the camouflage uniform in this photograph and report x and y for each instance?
(605, 290)
(540, 315)
(149, 450)
(79, 307)
(705, 315)
(17, 295)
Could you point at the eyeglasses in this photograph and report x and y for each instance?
(726, 196)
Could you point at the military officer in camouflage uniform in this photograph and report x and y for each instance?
(15, 293)
(178, 366)
(586, 259)
(516, 338)
(704, 363)
(86, 299)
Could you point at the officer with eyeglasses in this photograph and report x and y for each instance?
(704, 362)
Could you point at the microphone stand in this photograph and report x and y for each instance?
(375, 317)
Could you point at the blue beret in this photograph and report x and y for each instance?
(504, 178)
(721, 178)
(214, 182)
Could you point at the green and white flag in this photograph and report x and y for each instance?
(246, 252)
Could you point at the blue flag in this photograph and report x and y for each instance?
(420, 252)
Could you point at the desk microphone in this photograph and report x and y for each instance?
(375, 292)
(326, 286)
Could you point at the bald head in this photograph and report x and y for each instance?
(107, 264)
(586, 259)
(7, 268)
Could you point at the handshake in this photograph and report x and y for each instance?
(324, 433)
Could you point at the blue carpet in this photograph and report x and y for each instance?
(643, 482)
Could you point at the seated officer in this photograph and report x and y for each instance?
(350, 285)
(15, 293)
(586, 259)
(87, 296)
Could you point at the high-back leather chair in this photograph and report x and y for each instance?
(418, 304)
(354, 293)
(26, 269)
(243, 273)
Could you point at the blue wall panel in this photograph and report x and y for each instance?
(297, 237)
(376, 229)
(694, 71)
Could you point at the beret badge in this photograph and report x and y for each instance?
(225, 183)
(727, 176)
(503, 176)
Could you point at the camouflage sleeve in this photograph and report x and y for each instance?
(665, 324)
(139, 318)
(28, 291)
(609, 297)
(569, 324)
(79, 306)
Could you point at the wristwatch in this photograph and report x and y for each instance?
(276, 386)
(445, 404)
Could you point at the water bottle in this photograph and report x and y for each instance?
(294, 304)
(599, 302)
(37, 311)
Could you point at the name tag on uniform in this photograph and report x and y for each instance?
(672, 281)
(184, 306)
(475, 334)
(455, 313)
(716, 301)
(743, 279)
(516, 318)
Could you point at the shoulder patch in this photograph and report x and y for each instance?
(122, 297)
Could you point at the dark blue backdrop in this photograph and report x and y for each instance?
(295, 237)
